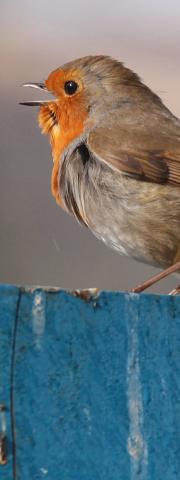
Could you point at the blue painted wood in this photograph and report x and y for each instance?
(96, 387)
(9, 297)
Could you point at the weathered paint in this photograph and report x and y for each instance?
(137, 442)
(95, 385)
(9, 298)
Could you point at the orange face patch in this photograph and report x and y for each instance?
(63, 120)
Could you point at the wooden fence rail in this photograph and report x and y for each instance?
(89, 390)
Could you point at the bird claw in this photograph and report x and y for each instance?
(176, 291)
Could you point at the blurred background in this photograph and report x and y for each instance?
(39, 243)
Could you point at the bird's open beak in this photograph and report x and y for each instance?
(37, 103)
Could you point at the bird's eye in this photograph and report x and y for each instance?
(70, 87)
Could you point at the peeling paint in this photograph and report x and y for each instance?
(87, 414)
(44, 471)
(39, 317)
(87, 294)
(136, 443)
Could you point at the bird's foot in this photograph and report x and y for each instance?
(176, 291)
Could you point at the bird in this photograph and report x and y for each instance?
(116, 157)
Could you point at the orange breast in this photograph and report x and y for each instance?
(69, 126)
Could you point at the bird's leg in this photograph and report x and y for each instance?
(156, 278)
(176, 291)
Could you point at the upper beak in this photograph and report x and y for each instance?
(39, 86)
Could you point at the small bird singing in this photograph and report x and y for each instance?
(116, 157)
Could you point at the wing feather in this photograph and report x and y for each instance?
(136, 156)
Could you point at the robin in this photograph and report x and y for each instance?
(116, 157)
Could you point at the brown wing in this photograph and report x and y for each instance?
(152, 157)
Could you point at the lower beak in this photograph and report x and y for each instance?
(37, 103)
